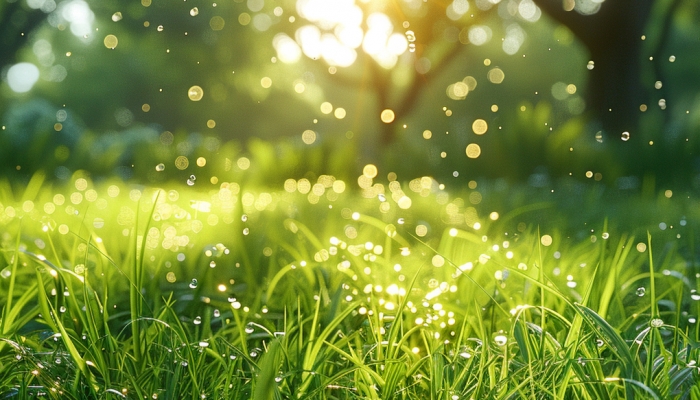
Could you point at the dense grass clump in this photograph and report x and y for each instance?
(320, 290)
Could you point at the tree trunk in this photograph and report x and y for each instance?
(613, 37)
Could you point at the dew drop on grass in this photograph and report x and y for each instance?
(656, 323)
(249, 329)
(58, 361)
(191, 180)
(244, 217)
(212, 264)
(641, 291)
(217, 313)
(246, 231)
(694, 295)
(500, 340)
(625, 136)
(193, 284)
(254, 353)
(194, 11)
(278, 379)
(184, 363)
(197, 320)
(203, 344)
(160, 167)
(599, 342)
(62, 309)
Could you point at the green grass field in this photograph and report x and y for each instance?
(323, 289)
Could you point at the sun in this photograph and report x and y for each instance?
(337, 30)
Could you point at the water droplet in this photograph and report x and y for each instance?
(672, 59)
(381, 197)
(599, 342)
(217, 313)
(160, 28)
(246, 231)
(656, 323)
(599, 136)
(197, 320)
(62, 309)
(58, 361)
(232, 357)
(641, 291)
(254, 353)
(203, 344)
(193, 284)
(194, 11)
(605, 235)
(401, 221)
(590, 65)
(184, 363)
(212, 264)
(191, 179)
(117, 16)
(244, 217)
(278, 379)
(500, 340)
(249, 329)
(160, 167)
(694, 295)
(412, 47)
(410, 36)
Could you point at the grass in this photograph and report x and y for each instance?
(327, 291)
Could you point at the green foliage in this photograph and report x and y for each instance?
(136, 292)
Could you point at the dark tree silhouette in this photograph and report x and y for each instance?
(613, 37)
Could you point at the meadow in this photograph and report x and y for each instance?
(323, 288)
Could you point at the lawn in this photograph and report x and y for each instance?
(379, 288)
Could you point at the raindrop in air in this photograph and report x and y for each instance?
(401, 221)
(625, 136)
(197, 320)
(590, 65)
(641, 291)
(599, 342)
(694, 295)
(599, 137)
(246, 231)
(412, 47)
(160, 167)
(160, 28)
(212, 264)
(217, 313)
(117, 16)
(193, 284)
(191, 179)
(244, 218)
(194, 11)
(410, 36)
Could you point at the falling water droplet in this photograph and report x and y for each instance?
(212, 264)
(191, 179)
(244, 217)
(410, 36)
(217, 313)
(599, 136)
(641, 291)
(694, 295)
(160, 28)
(194, 11)
(193, 284)
(246, 231)
(197, 320)
(62, 309)
(160, 167)
(625, 136)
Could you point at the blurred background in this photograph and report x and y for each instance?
(521, 90)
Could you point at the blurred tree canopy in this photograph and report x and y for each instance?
(554, 82)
